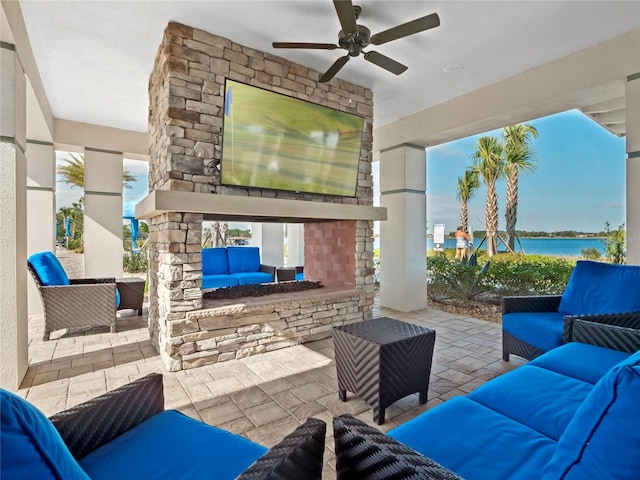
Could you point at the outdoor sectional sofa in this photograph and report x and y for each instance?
(231, 266)
(571, 414)
(599, 292)
(127, 434)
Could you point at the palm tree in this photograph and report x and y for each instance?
(73, 172)
(489, 164)
(467, 186)
(519, 158)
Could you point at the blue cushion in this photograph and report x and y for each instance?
(218, 281)
(603, 438)
(299, 277)
(596, 287)
(243, 259)
(541, 329)
(172, 445)
(117, 298)
(48, 268)
(476, 442)
(529, 396)
(30, 445)
(214, 261)
(253, 278)
(585, 362)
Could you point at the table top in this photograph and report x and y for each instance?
(383, 330)
(130, 280)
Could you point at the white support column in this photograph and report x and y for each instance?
(14, 357)
(632, 96)
(41, 207)
(102, 213)
(403, 240)
(295, 244)
(270, 238)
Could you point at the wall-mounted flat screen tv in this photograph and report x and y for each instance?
(278, 142)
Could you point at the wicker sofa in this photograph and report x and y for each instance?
(572, 413)
(127, 434)
(231, 266)
(599, 292)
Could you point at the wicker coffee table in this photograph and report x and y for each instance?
(383, 360)
(131, 293)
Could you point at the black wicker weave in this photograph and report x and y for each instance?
(364, 453)
(298, 456)
(96, 422)
(613, 337)
(89, 302)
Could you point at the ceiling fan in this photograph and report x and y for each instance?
(354, 38)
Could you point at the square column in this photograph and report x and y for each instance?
(14, 339)
(102, 213)
(295, 244)
(632, 98)
(41, 207)
(269, 237)
(403, 240)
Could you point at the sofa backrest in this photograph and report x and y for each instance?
(602, 439)
(596, 288)
(30, 444)
(243, 259)
(48, 268)
(214, 261)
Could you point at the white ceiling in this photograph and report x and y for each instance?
(95, 57)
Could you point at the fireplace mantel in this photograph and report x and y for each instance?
(253, 209)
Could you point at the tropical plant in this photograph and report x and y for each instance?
(615, 244)
(590, 254)
(519, 157)
(73, 172)
(447, 280)
(467, 186)
(489, 164)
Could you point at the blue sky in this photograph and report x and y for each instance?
(578, 184)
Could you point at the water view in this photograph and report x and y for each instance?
(563, 247)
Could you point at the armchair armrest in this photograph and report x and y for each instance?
(268, 269)
(96, 422)
(530, 303)
(614, 337)
(91, 281)
(629, 322)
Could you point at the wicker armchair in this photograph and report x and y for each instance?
(89, 302)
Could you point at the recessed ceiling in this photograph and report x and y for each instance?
(95, 57)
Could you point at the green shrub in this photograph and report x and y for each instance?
(135, 262)
(448, 280)
(591, 254)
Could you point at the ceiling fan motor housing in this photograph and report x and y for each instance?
(355, 43)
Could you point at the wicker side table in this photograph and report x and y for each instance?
(383, 360)
(131, 293)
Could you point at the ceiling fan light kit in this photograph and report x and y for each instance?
(354, 38)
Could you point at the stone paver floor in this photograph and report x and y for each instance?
(262, 397)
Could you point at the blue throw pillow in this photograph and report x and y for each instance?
(31, 446)
(214, 261)
(243, 259)
(596, 287)
(602, 440)
(48, 268)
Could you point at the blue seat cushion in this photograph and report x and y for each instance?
(585, 362)
(243, 259)
(540, 329)
(529, 396)
(603, 438)
(299, 277)
(596, 287)
(30, 445)
(253, 278)
(476, 442)
(214, 261)
(172, 445)
(49, 269)
(218, 281)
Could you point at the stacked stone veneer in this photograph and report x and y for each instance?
(186, 98)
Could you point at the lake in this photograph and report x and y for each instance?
(570, 247)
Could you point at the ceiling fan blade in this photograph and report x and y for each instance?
(385, 62)
(346, 15)
(317, 46)
(335, 68)
(406, 29)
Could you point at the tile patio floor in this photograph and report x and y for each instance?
(262, 397)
